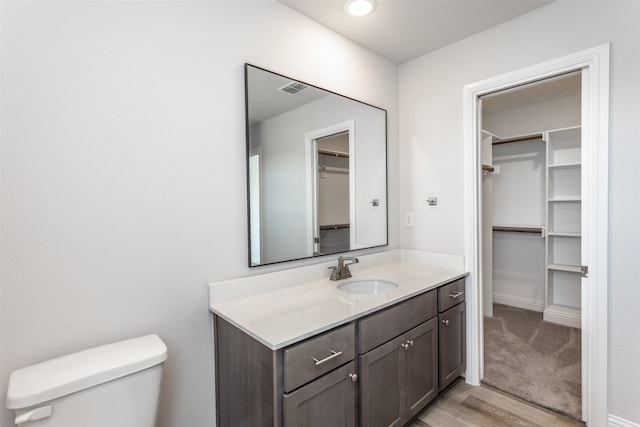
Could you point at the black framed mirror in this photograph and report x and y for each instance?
(316, 170)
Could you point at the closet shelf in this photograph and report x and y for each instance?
(537, 229)
(533, 137)
(333, 153)
(563, 267)
(566, 199)
(564, 233)
(334, 226)
(333, 169)
(565, 166)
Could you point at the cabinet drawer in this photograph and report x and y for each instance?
(393, 321)
(316, 356)
(450, 295)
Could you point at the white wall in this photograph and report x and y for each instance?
(432, 146)
(123, 170)
(519, 183)
(519, 198)
(532, 118)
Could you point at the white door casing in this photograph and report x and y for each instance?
(594, 64)
(311, 156)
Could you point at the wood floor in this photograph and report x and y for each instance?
(469, 406)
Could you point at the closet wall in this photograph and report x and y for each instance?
(518, 219)
(518, 185)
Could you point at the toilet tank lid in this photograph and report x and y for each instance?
(77, 371)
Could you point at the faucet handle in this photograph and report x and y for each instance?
(334, 273)
(346, 273)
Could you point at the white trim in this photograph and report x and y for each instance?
(255, 259)
(595, 125)
(520, 302)
(311, 154)
(353, 214)
(621, 422)
(565, 316)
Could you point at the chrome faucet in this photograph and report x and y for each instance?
(342, 270)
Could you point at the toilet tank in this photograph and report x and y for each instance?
(112, 385)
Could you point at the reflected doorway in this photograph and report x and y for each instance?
(332, 210)
(255, 205)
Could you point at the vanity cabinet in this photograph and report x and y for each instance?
(451, 333)
(311, 383)
(381, 369)
(399, 377)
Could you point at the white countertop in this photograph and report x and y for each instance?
(282, 317)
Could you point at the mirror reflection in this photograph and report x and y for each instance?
(316, 170)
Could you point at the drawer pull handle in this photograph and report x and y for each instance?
(445, 321)
(456, 295)
(353, 377)
(333, 355)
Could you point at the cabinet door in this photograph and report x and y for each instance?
(380, 387)
(420, 367)
(329, 401)
(452, 344)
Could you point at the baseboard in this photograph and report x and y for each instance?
(563, 316)
(620, 422)
(520, 302)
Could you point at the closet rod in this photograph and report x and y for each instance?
(536, 230)
(334, 153)
(334, 226)
(517, 139)
(332, 169)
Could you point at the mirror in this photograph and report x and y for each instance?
(316, 170)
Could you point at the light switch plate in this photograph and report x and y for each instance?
(408, 219)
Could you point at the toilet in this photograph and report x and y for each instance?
(112, 385)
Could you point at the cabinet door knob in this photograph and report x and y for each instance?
(410, 342)
(353, 377)
(405, 346)
(445, 321)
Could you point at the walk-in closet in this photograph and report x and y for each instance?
(531, 241)
(333, 194)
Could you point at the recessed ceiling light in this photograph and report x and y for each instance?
(359, 7)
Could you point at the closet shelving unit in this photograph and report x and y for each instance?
(563, 246)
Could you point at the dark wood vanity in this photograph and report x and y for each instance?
(381, 369)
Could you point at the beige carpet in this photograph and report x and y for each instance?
(532, 359)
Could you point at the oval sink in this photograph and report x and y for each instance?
(367, 286)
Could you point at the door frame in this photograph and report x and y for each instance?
(594, 64)
(311, 174)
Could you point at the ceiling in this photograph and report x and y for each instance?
(266, 100)
(401, 30)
